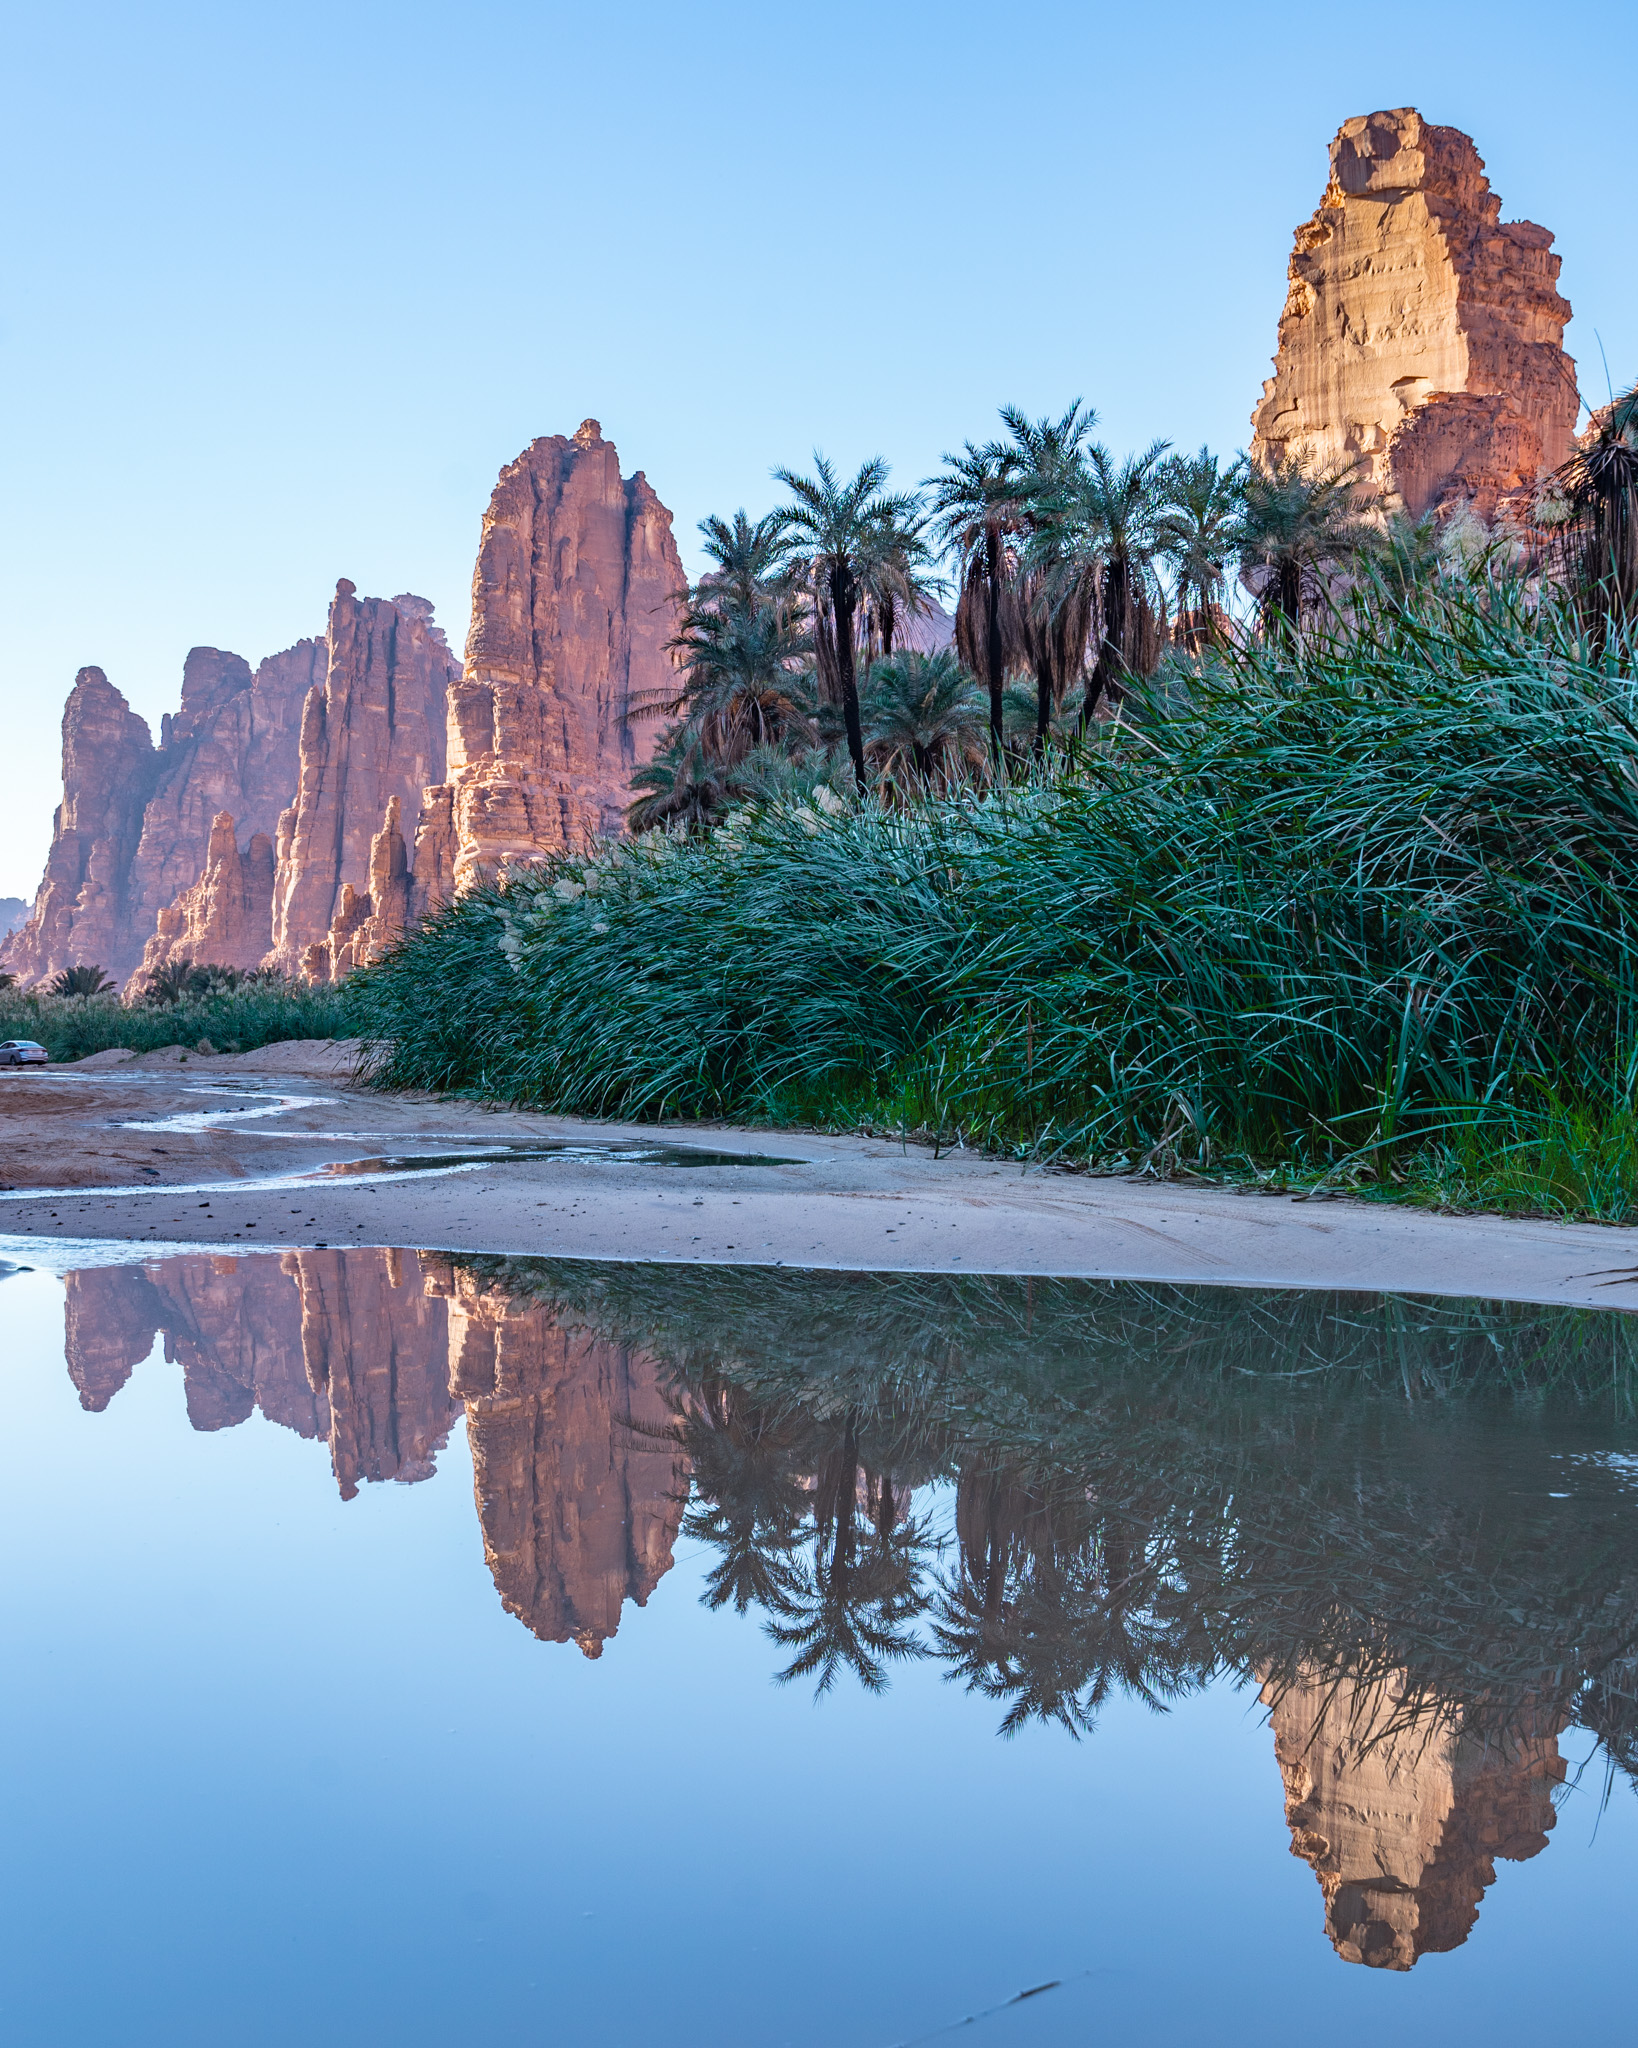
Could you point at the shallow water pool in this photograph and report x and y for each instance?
(413, 1648)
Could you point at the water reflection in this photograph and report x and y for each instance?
(1411, 1525)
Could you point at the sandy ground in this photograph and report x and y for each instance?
(856, 1203)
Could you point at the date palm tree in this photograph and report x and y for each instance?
(752, 561)
(681, 786)
(1198, 532)
(744, 680)
(896, 575)
(79, 981)
(835, 531)
(741, 647)
(1593, 502)
(977, 516)
(924, 719)
(853, 1603)
(1103, 521)
(1300, 522)
(1058, 594)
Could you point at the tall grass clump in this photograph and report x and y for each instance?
(238, 1019)
(1315, 902)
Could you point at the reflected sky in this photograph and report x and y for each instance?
(747, 1656)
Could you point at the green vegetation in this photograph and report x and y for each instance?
(204, 1008)
(1345, 898)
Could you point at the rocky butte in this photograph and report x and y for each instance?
(572, 606)
(301, 815)
(1422, 335)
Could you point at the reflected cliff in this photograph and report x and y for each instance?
(1409, 1525)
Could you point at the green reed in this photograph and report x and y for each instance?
(231, 1020)
(1319, 909)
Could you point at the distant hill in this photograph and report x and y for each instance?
(13, 912)
(927, 634)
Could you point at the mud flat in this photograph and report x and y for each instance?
(281, 1148)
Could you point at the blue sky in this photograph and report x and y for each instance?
(285, 286)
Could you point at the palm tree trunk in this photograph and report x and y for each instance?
(995, 653)
(1288, 594)
(843, 594)
(1107, 683)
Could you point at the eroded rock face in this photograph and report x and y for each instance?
(572, 604)
(1422, 335)
(82, 913)
(372, 735)
(381, 775)
(1403, 1825)
(231, 748)
(579, 1488)
(225, 918)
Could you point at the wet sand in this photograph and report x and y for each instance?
(66, 1154)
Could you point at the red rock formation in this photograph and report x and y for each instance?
(1422, 335)
(336, 751)
(365, 926)
(1402, 1818)
(371, 735)
(579, 1491)
(225, 918)
(82, 913)
(232, 747)
(374, 1342)
(234, 1326)
(133, 834)
(571, 610)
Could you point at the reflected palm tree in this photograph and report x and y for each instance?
(750, 1501)
(1052, 1606)
(854, 1599)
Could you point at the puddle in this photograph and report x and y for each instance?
(404, 1165)
(614, 1153)
(1355, 1641)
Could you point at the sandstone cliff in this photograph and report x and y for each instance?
(374, 1346)
(1422, 335)
(572, 604)
(372, 736)
(230, 748)
(235, 839)
(580, 1491)
(380, 775)
(133, 832)
(1402, 1824)
(82, 912)
(226, 916)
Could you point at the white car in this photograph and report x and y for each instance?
(22, 1052)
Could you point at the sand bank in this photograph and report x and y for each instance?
(225, 1148)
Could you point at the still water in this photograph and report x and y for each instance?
(409, 1649)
